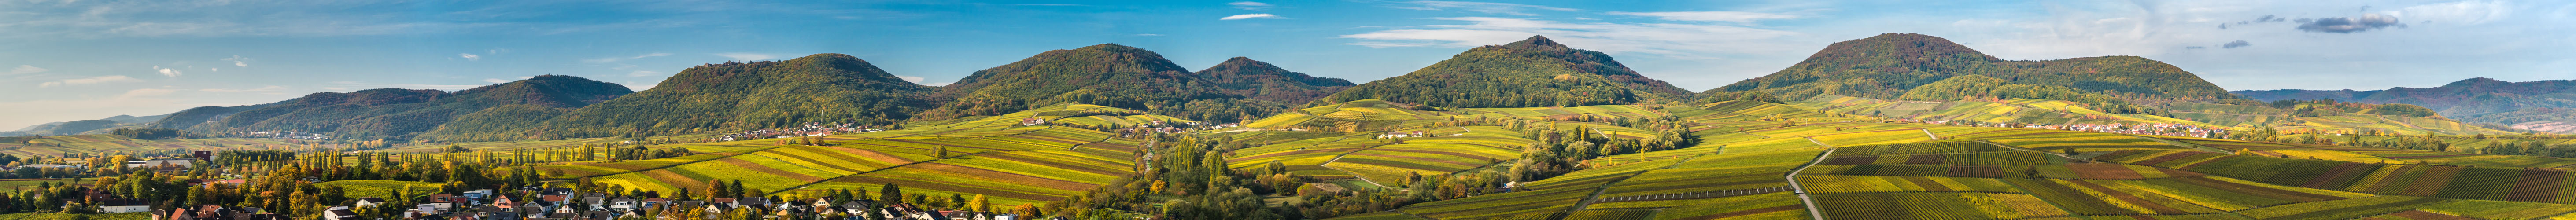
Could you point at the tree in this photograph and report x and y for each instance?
(979, 204)
(891, 194)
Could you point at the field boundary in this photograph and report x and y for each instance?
(1605, 187)
(1802, 190)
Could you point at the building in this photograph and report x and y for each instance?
(1032, 121)
(124, 206)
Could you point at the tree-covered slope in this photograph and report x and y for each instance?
(714, 98)
(392, 113)
(2480, 99)
(1106, 74)
(1530, 73)
(1887, 65)
(1261, 81)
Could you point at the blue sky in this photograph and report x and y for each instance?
(84, 59)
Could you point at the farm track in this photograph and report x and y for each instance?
(1802, 190)
(2185, 144)
(1338, 158)
(1605, 187)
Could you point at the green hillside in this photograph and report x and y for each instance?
(392, 113)
(1106, 74)
(1888, 66)
(1529, 73)
(2533, 105)
(729, 97)
(1261, 81)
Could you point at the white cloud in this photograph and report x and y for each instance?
(615, 59)
(746, 56)
(1485, 7)
(1251, 16)
(167, 71)
(1680, 40)
(496, 80)
(145, 92)
(913, 79)
(469, 57)
(640, 73)
(214, 69)
(239, 61)
(2462, 12)
(26, 69)
(1247, 5)
(89, 81)
(260, 89)
(1719, 16)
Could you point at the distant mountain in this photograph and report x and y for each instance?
(1261, 81)
(389, 113)
(82, 126)
(726, 97)
(2472, 100)
(1107, 74)
(1529, 73)
(1887, 65)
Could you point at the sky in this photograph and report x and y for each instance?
(63, 60)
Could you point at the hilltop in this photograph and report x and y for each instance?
(1261, 81)
(1887, 66)
(1110, 75)
(717, 98)
(1529, 73)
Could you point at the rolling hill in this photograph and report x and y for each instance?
(389, 113)
(729, 97)
(1529, 73)
(2524, 105)
(1261, 81)
(1888, 66)
(1125, 77)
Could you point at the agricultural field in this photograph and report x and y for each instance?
(107, 143)
(382, 188)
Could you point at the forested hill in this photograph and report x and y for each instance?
(1106, 74)
(732, 96)
(1530, 73)
(2521, 104)
(2470, 96)
(389, 113)
(1887, 65)
(1262, 81)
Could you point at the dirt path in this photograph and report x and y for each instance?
(1801, 190)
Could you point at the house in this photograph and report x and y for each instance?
(340, 214)
(504, 202)
(1032, 121)
(124, 206)
(621, 203)
(1006, 217)
(649, 203)
(369, 202)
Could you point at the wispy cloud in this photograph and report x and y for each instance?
(1718, 16)
(490, 80)
(2236, 44)
(89, 81)
(615, 59)
(239, 61)
(1485, 7)
(26, 69)
(167, 71)
(260, 89)
(740, 56)
(354, 84)
(2365, 22)
(469, 57)
(1249, 5)
(1251, 16)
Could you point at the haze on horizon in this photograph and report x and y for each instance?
(72, 60)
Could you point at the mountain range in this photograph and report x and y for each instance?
(1535, 72)
(2534, 105)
